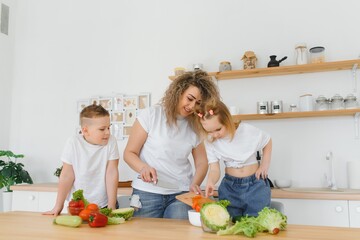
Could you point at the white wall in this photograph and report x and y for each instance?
(68, 50)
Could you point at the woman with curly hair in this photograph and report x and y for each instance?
(161, 140)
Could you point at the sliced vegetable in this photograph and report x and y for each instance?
(115, 220)
(97, 219)
(125, 213)
(272, 220)
(69, 221)
(214, 216)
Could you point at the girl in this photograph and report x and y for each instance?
(245, 182)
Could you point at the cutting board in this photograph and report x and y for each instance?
(187, 198)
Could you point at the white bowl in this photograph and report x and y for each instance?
(282, 183)
(194, 218)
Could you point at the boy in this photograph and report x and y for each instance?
(90, 162)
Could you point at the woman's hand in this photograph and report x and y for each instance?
(195, 188)
(148, 174)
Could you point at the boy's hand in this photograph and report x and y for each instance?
(55, 211)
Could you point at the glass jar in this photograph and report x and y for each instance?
(337, 102)
(322, 103)
(224, 66)
(350, 102)
(317, 54)
(301, 51)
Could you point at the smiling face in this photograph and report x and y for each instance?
(188, 100)
(96, 130)
(214, 128)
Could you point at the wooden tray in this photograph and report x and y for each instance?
(187, 198)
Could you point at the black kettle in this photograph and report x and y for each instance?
(273, 62)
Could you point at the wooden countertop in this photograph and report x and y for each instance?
(275, 193)
(29, 225)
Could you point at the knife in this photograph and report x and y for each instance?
(163, 184)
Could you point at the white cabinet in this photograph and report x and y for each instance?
(34, 201)
(317, 212)
(354, 212)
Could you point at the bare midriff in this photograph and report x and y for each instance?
(242, 172)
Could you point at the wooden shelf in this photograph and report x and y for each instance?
(285, 70)
(328, 113)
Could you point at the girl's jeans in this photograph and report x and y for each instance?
(160, 206)
(247, 195)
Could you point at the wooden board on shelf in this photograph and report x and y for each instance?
(328, 113)
(284, 70)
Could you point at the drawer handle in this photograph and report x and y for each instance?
(338, 209)
(31, 197)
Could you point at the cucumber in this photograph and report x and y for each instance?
(69, 221)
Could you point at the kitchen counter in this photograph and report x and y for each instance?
(275, 193)
(30, 225)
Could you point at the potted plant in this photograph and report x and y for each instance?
(11, 172)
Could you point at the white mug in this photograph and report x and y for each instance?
(306, 103)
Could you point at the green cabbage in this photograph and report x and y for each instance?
(125, 213)
(272, 220)
(214, 216)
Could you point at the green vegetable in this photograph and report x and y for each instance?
(214, 216)
(106, 211)
(272, 220)
(79, 195)
(69, 221)
(246, 225)
(115, 220)
(125, 213)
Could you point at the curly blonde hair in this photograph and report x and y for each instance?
(199, 79)
(216, 108)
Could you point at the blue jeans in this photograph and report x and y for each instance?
(160, 206)
(247, 195)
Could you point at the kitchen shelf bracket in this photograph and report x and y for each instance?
(354, 68)
(356, 122)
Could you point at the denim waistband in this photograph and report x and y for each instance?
(241, 180)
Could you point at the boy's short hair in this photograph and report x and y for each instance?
(93, 111)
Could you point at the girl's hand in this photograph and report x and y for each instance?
(261, 172)
(195, 188)
(209, 190)
(148, 174)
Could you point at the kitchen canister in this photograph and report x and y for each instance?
(337, 102)
(301, 54)
(306, 103)
(276, 106)
(322, 103)
(353, 174)
(350, 102)
(198, 66)
(224, 66)
(317, 54)
(262, 107)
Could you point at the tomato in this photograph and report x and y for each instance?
(92, 207)
(85, 214)
(75, 207)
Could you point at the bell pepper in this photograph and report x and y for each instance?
(97, 219)
(76, 206)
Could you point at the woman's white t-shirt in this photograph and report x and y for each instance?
(166, 149)
(241, 150)
(89, 163)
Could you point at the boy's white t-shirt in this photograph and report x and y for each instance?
(167, 150)
(89, 163)
(241, 150)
